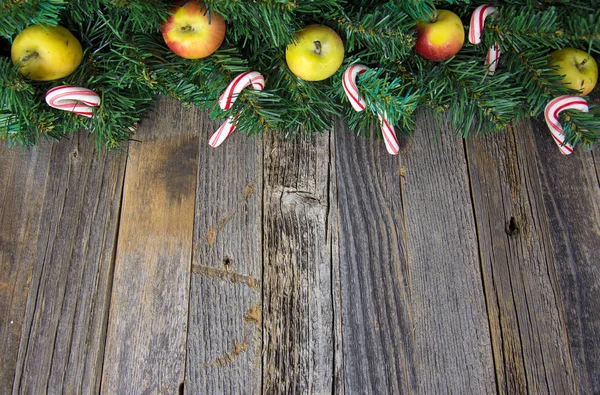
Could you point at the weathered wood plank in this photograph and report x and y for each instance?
(571, 191)
(225, 337)
(63, 335)
(596, 161)
(452, 346)
(298, 333)
(23, 177)
(378, 339)
(527, 323)
(146, 340)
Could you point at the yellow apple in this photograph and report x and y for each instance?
(579, 70)
(440, 38)
(193, 33)
(46, 53)
(316, 54)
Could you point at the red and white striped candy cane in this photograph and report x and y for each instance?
(359, 104)
(476, 31)
(349, 82)
(491, 59)
(74, 99)
(553, 109)
(248, 78)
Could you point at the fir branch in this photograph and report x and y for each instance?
(383, 94)
(527, 28)
(581, 127)
(386, 28)
(418, 10)
(17, 15)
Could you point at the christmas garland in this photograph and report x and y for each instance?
(503, 72)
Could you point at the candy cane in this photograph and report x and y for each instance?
(74, 99)
(477, 22)
(349, 82)
(248, 78)
(491, 59)
(553, 109)
(476, 31)
(359, 104)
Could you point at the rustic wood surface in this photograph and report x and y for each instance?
(319, 265)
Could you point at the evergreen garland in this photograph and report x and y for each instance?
(128, 64)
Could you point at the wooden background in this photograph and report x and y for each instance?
(308, 266)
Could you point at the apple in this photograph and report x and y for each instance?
(316, 54)
(441, 38)
(46, 53)
(192, 32)
(579, 70)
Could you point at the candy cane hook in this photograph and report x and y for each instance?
(553, 109)
(73, 99)
(248, 78)
(476, 31)
(359, 104)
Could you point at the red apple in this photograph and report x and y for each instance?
(440, 38)
(191, 32)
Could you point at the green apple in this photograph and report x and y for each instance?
(193, 33)
(440, 38)
(316, 54)
(579, 70)
(46, 53)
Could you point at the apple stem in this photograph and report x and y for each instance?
(434, 17)
(582, 63)
(317, 47)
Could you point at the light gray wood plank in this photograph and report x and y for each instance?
(527, 321)
(225, 328)
(298, 320)
(146, 339)
(452, 345)
(571, 193)
(63, 335)
(378, 339)
(23, 177)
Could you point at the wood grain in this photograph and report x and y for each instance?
(452, 346)
(298, 338)
(23, 177)
(527, 321)
(146, 340)
(225, 337)
(63, 336)
(378, 341)
(571, 192)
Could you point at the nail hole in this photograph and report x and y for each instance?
(512, 228)
(181, 389)
(227, 262)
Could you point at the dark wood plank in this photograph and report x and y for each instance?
(63, 335)
(527, 321)
(298, 320)
(146, 340)
(23, 177)
(571, 191)
(225, 337)
(378, 339)
(452, 346)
